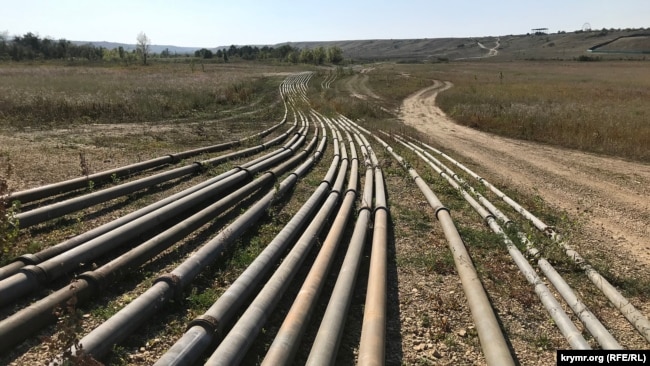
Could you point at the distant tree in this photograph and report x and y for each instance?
(307, 56)
(334, 55)
(319, 55)
(203, 53)
(4, 47)
(143, 46)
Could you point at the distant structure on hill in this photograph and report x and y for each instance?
(539, 30)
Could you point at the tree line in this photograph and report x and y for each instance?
(31, 47)
(286, 53)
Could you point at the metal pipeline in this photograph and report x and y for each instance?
(563, 322)
(633, 315)
(101, 340)
(290, 333)
(373, 332)
(211, 326)
(21, 324)
(48, 212)
(31, 276)
(328, 337)
(232, 348)
(493, 344)
(37, 193)
(593, 325)
(32, 259)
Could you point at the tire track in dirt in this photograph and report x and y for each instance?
(607, 194)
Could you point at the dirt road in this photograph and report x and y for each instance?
(609, 197)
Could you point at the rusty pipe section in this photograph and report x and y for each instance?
(30, 277)
(373, 331)
(208, 328)
(562, 321)
(21, 324)
(629, 311)
(233, 347)
(100, 341)
(288, 338)
(328, 337)
(591, 322)
(493, 343)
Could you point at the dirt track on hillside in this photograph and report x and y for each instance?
(607, 196)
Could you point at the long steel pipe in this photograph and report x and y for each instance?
(563, 322)
(593, 325)
(37, 193)
(212, 325)
(326, 344)
(32, 259)
(493, 344)
(372, 348)
(31, 276)
(290, 333)
(232, 349)
(629, 311)
(101, 340)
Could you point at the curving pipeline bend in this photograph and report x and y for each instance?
(30, 277)
(210, 328)
(37, 193)
(101, 340)
(21, 324)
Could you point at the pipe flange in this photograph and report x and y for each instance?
(35, 272)
(207, 322)
(28, 259)
(441, 208)
(173, 281)
(93, 278)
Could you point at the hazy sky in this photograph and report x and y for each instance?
(210, 23)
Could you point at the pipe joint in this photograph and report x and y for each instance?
(207, 322)
(441, 208)
(36, 273)
(374, 212)
(96, 280)
(173, 281)
(28, 259)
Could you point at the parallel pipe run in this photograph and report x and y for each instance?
(48, 212)
(37, 193)
(232, 349)
(328, 337)
(493, 344)
(563, 322)
(631, 313)
(20, 325)
(296, 321)
(204, 330)
(373, 332)
(595, 327)
(31, 276)
(101, 340)
(33, 259)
